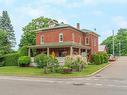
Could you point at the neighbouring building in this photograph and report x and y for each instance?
(63, 40)
(102, 48)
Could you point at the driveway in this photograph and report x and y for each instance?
(111, 81)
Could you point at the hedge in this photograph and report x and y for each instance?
(11, 59)
(24, 61)
(23, 51)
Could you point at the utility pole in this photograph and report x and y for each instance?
(113, 43)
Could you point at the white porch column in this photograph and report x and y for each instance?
(79, 52)
(47, 51)
(29, 52)
(71, 51)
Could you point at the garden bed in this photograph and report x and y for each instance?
(38, 72)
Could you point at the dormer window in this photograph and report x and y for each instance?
(52, 23)
(87, 41)
(42, 39)
(61, 37)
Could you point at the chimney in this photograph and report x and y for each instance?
(78, 26)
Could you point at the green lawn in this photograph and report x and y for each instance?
(36, 72)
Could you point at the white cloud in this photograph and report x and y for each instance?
(7, 2)
(120, 21)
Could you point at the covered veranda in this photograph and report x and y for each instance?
(59, 49)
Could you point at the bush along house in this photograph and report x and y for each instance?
(62, 40)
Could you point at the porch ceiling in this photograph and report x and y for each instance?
(60, 45)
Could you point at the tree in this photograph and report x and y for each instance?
(5, 24)
(121, 38)
(29, 35)
(4, 47)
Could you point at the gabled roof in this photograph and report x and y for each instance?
(67, 26)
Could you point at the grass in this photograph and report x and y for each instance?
(37, 72)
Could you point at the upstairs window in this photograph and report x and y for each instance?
(87, 41)
(42, 39)
(61, 37)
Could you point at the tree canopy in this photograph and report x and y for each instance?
(4, 47)
(5, 24)
(120, 42)
(29, 34)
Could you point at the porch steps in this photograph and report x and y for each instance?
(32, 64)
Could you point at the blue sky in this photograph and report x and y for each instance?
(104, 15)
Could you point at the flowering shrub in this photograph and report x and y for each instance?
(76, 62)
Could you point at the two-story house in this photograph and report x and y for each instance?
(63, 40)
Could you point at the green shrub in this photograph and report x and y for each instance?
(42, 60)
(49, 63)
(100, 58)
(11, 59)
(23, 51)
(24, 61)
(96, 59)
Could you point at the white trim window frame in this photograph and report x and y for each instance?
(60, 37)
(42, 39)
(87, 41)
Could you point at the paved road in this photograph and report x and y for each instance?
(111, 81)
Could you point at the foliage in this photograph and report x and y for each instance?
(120, 37)
(5, 24)
(11, 59)
(24, 61)
(28, 37)
(42, 60)
(100, 58)
(76, 62)
(49, 63)
(4, 47)
(23, 51)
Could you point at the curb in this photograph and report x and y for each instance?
(98, 71)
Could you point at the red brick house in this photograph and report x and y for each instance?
(63, 40)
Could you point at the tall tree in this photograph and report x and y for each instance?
(5, 24)
(29, 35)
(4, 47)
(120, 42)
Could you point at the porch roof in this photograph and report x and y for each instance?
(60, 45)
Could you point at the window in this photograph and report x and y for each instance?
(42, 39)
(73, 37)
(61, 37)
(87, 41)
